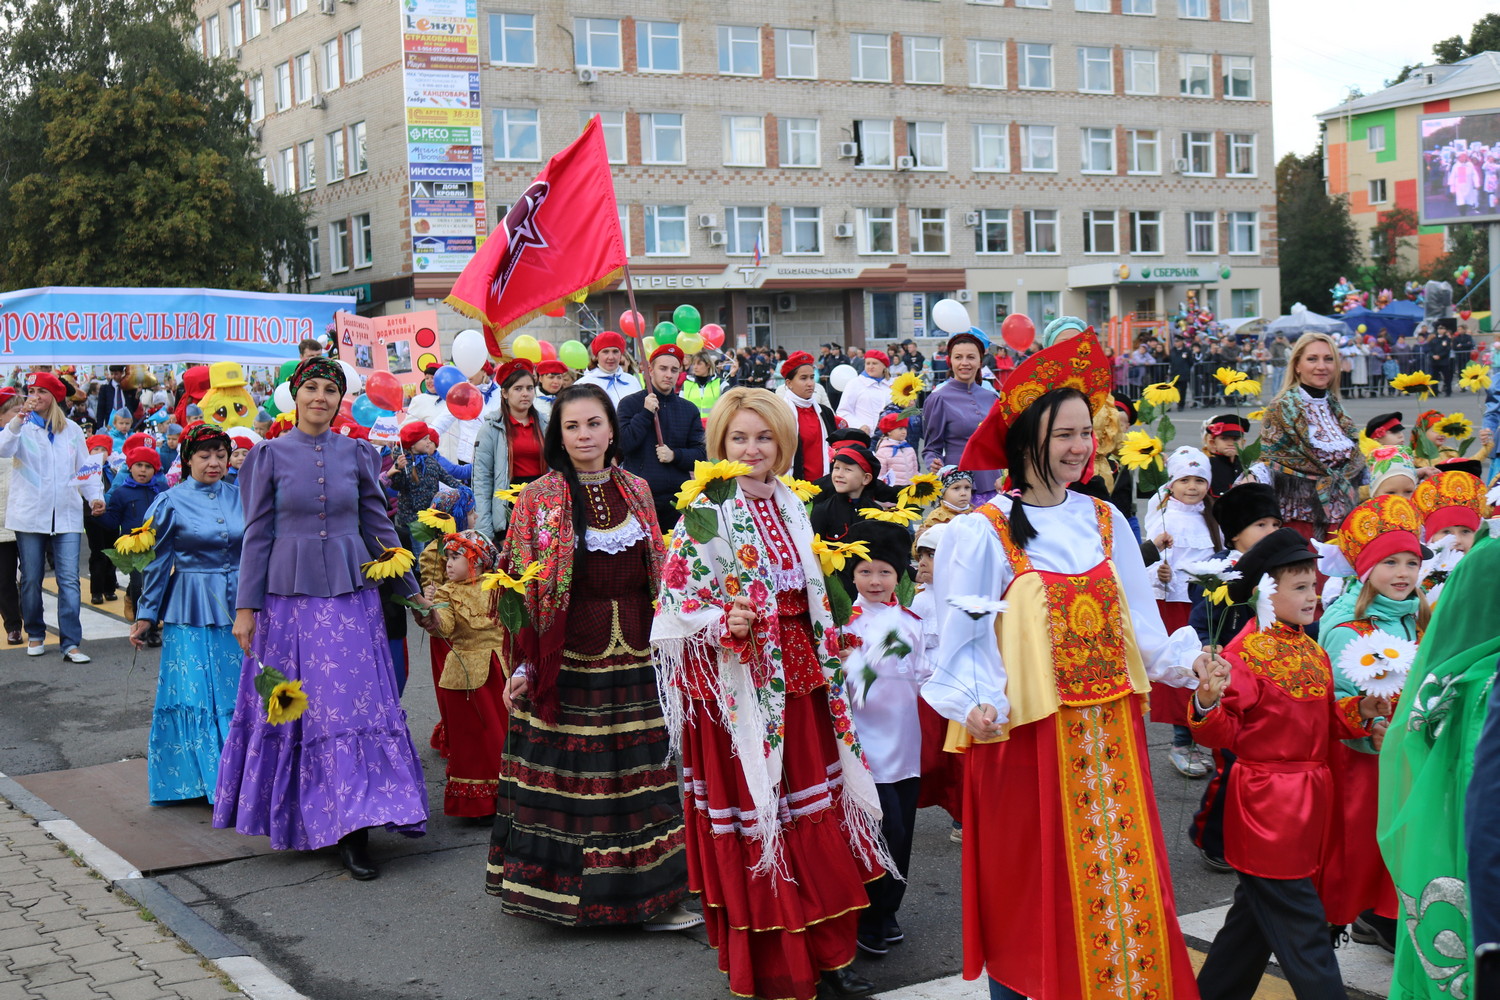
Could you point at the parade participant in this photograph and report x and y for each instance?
(609, 372)
(1049, 695)
(103, 581)
(551, 378)
(418, 469)
(315, 516)
(113, 395)
(783, 816)
(851, 473)
(1277, 713)
(815, 420)
(1452, 506)
(118, 428)
(1429, 425)
(125, 510)
(942, 772)
(702, 387)
(10, 558)
(898, 459)
(1221, 442)
(1111, 424)
(956, 498)
(509, 452)
(586, 773)
(189, 587)
(1385, 429)
(458, 438)
(867, 394)
(167, 451)
(1392, 471)
(661, 434)
(953, 410)
(43, 510)
(240, 446)
(1314, 465)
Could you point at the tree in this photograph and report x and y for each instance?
(1318, 241)
(1483, 37)
(1386, 244)
(1467, 245)
(125, 155)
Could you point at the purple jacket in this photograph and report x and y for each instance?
(314, 511)
(949, 418)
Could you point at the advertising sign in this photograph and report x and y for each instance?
(402, 344)
(1460, 159)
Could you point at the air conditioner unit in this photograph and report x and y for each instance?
(848, 150)
(906, 162)
(971, 219)
(262, 4)
(717, 237)
(327, 6)
(843, 230)
(230, 52)
(318, 100)
(256, 132)
(786, 303)
(707, 221)
(586, 75)
(1180, 165)
(963, 295)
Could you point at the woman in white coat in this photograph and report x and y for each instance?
(49, 453)
(867, 394)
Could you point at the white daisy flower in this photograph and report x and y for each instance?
(1378, 663)
(1209, 567)
(1265, 613)
(977, 607)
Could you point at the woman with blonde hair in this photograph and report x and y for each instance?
(1309, 441)
(783, 817)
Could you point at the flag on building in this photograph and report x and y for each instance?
(757, 248)
(560, 240)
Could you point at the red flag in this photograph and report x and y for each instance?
(561, 238)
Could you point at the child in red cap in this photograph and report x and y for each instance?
(125, 510)
(898, 459)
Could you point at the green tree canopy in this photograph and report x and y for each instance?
(1483, 37)
(1318, 240)
(125, 157)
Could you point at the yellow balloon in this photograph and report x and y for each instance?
(525, 346)
(1360, 328)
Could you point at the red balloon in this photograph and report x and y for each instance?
(1018, 331)
(558, 308)
(712, 334)
(464, 401)
(384, 390)
(632, 323)
(548, 349)
(1464, 314)
(346, 407)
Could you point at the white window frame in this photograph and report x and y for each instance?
(213, 31)
(1137, 61)
(354, 54)
(986, 54)
(744, 141)
(1034, 224)
(1378, 191)
(283, 85)
(333, 144)
(654, 225)
(1371, 133)
(236, 17)
(1138, 141)
(793, 133)
(1089, 143)
(1205, 144)
(1089, 64)
(252, 22)
(864, 47)
(1031, 134)
(885, 130)
(1091, 6)
(359, 154)
(255, 89)
(593, 37)
(362, 240)
(924, 59)
(314, 235)
(1238, 299)
(1191, 66)
(655, 124)
(307, 165)
(918, 219)
(1032, 56)
(612, 123)
(510, 123)
(1098, 222)
(1235, 10)
(648, 34)
(340, 248)
(1138, 8)
(506, 29)
(795, 218)
(1193, 10)
(288, 165)
(791, 45)
(736, 216)
(990, 138)
(1244, 233)
(733, 38)
(299, 7)
(1142, 220)
(1035, 4)
(1237, 67)
(1197, 225)
(1240, 142)
(924, 139)
(868, 221)
(992, 219)
(302, 77)
(330, 67)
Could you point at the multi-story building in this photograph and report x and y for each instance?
(804, 171)
(1372, 151)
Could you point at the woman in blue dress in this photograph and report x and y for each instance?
(190, 588)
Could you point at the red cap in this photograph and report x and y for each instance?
(140, 439)
(551, 368)
(101, 441)
(606, 339)
(511, 367)
(242, 442)
(891, 421)
(671, 349)
(195, 382)
(7, 394)
(415, 431)
(794, 361)
(880, 356)
(856, 454)
(49, 382)
(146, 455)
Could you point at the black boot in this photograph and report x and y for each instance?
(844, 982)
(354, 854)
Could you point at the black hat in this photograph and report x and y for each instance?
(858, 456)
(1469, 465)
(888, 543)
(1230, 425)
(1124, 403)
(849, 434)
(1282, 547)
(1242, 506)
(1385, 423)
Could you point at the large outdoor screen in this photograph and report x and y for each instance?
(1460, 169)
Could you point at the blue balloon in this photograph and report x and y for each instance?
(365, 412)
(984, 338)
(446, 378)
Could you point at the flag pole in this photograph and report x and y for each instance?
(645, 365)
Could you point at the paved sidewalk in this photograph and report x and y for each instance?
(66, 935)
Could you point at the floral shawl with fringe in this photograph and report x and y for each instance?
(1287, 450)
(699, 584)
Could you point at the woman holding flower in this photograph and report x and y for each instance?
(783, 815)
(318, 541)
(588, 826)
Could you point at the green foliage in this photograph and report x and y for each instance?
(1250, 454)
(1387, 238)
(906, 590)
(1483, 37)
(511, 610)
(132, 562)
(125, 156)
(840, 604)
(1318, 238)
(702, 524)
(1470, 245)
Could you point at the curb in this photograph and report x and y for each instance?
(250, 975)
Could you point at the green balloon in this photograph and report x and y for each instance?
(287, 367)
(573, 354)
(687, 319)
(666, 333)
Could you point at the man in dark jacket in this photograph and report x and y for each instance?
(1440, 351)
(667, 464)
(1182, 360)
(113, 395)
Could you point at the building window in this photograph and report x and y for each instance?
(666, 231)
(1038, 148)
(278, 12)
(802, 230)
(986, 64)
(1241, 147)
(661, 138)
(288, 171)
(739, 50)
(992, 235)
(1201, 232)
(1099, 228)
(1145, 232)
(993, 308)
(877, 147)
(1144, 148)
(991, 148)
(334, 144)
(516, 134)
(338, 246)
(1146, 8)
(1242, 230)
(364, 241)
(877, 230)
(215, 38)
(1140, 71)
(929, 230)
(263, 167)
(283, 86)
(1375, 138)
(796, 54)
(744, 141)
(928, 144)
(613, 125)
(622, 212)
(1198, 150)
(1041, 230)
(1038, 4)
(596, 42)
(1239, 77)
(299, 7)
(357, 162)
(354, 54)
(1098, 149)
(658, 46)
(1194, 72)
(798, 141)
(307, 165)
(252, 22)
(870, 57)
(746, 226)
(330, 76)
(1244, 302)
(1196, 9)
(758, 324)
(256, 90)
(1377, 191)
(1036, 65)
(1042, 307)
(314, 252)
(1234, 10)
(303, 73)
(1092, 6)
(924, 58)
(1096, 72)
(236, 15)
(513, 39)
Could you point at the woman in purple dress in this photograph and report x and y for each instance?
(954, 409)
(314, 512)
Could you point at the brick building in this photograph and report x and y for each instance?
(812, 171)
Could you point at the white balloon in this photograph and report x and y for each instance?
(469, 352)
(354, 385)
(841, 376)
(950, 316)
(283, 397)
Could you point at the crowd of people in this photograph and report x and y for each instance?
(692, 637)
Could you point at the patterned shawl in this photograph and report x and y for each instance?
(699, 583)
(1286, 448)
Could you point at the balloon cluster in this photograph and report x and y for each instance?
(280, 401)
(1346, 296)
(1383, 298)
(1414, 291)
(952, 317)
(686, 329)
(1464, 275)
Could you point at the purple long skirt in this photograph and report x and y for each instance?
(349, 761)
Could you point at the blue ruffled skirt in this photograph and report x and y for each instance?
(195, 693)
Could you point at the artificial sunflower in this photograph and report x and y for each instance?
(439, 520)
(1219, 595)
(1456, 426)
(921, 491)
(803, 489)
(1475, 377)
(510, 494)
(1256, 414)
(1139, 450)
(142, 539)
(1160, 394)
(286, 702)
(1243, 387)
(711, 478)
(1229, 376)
(1418, 382)
(899, 514)
(500, 578)
(833, 555)
(392, 562)
(905, 389)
